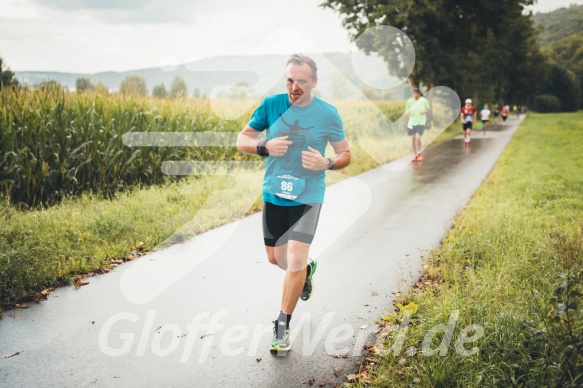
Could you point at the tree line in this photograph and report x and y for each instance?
(486, 50)
(132, 84)
(136, 85)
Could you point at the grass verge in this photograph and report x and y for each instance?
(512, 267)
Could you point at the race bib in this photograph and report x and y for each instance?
(286, 185)
(469, 118)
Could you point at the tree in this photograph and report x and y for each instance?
(241, 91)
(178, 88)
(50, 85)
(471, 46)
(160, 91)
(562, 84)
(568, 53)
(100, 88)
(82, 84)
(7, 77)
(133, 84)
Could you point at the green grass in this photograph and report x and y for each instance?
(498, 267)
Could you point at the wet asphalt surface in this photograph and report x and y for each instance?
(208, 325)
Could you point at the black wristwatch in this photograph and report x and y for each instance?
(330, 163)
(261, 150)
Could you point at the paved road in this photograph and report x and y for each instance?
(142, 325)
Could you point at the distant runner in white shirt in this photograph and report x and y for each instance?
(485, 117)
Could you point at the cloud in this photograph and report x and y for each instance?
(128, 11)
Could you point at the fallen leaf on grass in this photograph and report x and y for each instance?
(79, 282)
(365, 379)
(353, 377)
(373, 350)
(21, 306)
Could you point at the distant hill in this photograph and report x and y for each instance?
(560, 24)
(263, 73)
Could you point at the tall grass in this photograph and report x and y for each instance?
(504, 266)
(54, 144)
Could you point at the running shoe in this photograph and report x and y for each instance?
(420, 157)
(309, 284)
(281, 341)
(415, 158)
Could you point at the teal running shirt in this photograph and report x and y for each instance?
(286, 182)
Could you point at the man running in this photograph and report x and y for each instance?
(504, 113)
(294, 181)
(417, 108)
(496, 114)
(485, 116)
(468, 116)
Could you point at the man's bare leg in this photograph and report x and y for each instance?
(295, 277)
(293, 258)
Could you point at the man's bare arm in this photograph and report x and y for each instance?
(342, 157)
(248, 139)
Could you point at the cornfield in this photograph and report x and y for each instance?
(55, 144)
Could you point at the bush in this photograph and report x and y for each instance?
(563, 84)
(546, 103)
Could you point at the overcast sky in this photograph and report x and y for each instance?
(88, 36)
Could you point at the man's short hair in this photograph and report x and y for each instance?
(300, 59)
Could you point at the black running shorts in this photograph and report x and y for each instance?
(284, 223)
(467, 125)
(416, 129)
